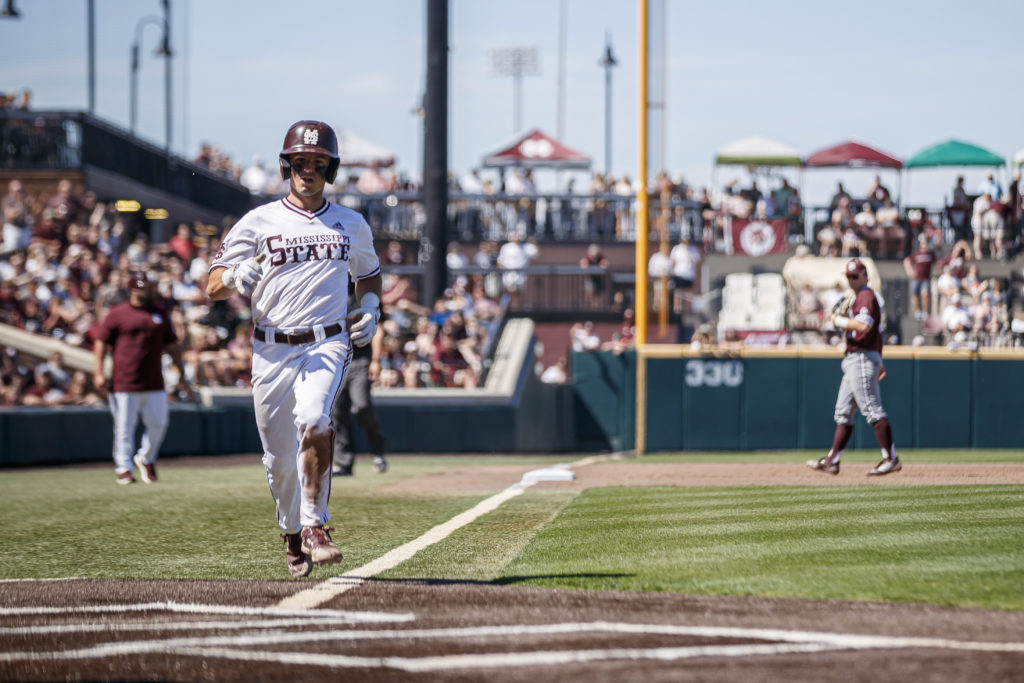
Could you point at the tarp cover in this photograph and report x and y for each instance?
(852, 155)
(757, 151)
(537, 149)
(356, 152)
(954, 153)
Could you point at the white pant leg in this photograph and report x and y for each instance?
(293, 390)
(273, 377)
(124, 406)
(155, 416)
(317, 387)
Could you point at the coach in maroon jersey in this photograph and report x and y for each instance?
(862, 370)
(138, 332)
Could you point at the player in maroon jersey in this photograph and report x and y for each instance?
(862, 370)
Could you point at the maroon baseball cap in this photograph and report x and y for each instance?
(855, 267)
(138, 280)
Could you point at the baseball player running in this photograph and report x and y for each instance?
(293, 257)
(136, 333)
(860, 315)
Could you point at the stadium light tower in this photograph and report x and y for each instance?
(609, 62)
(515, 62)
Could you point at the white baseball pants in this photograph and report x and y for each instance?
(126, 406)
(294, 388)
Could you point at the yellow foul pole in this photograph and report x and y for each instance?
(641, 234)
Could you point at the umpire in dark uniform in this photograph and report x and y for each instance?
(354, 398)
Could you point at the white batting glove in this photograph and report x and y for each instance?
(244, 276)
(366, 316)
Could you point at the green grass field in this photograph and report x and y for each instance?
(950, 545)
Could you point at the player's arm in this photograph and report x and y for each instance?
(215, 288)
(174, 351)
(99, 353)
(376, 346)
(373, 284)
(363, 320)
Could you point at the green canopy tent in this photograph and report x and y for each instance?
(953, 153)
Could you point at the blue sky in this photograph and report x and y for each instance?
(897, 75)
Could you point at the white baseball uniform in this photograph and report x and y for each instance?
(303, 291)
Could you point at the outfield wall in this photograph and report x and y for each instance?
(785, 398)
(766, 399)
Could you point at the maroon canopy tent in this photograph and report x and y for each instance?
(852, 155)
(537, 149)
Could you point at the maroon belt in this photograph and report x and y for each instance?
(298, 337)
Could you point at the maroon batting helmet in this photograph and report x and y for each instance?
(856, 267)
(138, 280)
(314, 137)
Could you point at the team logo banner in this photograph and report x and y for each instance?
(758, 237)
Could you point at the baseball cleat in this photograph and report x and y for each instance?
(299, 563)
(823, 465)
(125, 478)
(317, 543)
(380, 465)
(146, 470)
(886, 466)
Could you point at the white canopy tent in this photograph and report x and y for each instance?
(357, 152)
(1018, 158)
(759, 155)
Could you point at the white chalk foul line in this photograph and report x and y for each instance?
(192, 608)
(321, 593)
(230, 647)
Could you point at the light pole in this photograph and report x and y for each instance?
(10, 11)
(608, 62)
(161, 51)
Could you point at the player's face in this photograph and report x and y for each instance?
(857, 280)
(308, 173)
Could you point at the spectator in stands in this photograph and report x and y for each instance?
(918, 267)
(958, 259)
(809, 311)
(991, 187)
(993, 230)
(703, 337)
(182, 243)
(17, 230)
(877, 193)
(81, 392)
(255, 177)
(972, 284)
(685, 260)
(839, 195)
(891, 236)
(556, 373)
(43, 391)
(455, 259)
(980, 207)
(955, 316)
(515, 255)
(583, 338)
(593, 284)
(659, 266)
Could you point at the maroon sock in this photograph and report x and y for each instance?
(841, 438)
(883, 432)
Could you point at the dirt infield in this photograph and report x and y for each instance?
(390, 630)
(421, 631)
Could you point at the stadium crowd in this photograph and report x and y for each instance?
(65, 260)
